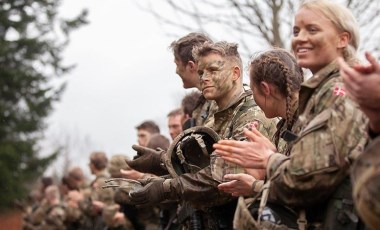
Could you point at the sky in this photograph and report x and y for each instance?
(124, 74)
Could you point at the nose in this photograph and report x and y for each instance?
(204, 77)
(301, 36)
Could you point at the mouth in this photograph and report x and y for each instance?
(302, 50)
(206, 87)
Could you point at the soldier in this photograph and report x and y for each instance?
(188, 105)
(141, 218)
(50, 214)
(158, 141)
(275, 79)
(174, 122)
(362, 84)
(145, 130)
(329, 132)
(219, 69)
(93, 205)
(186, 68)
(114, 218)
(187, 71)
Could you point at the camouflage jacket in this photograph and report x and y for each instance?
(97, 193)
(203, 110)
(49, 217)
(201, 189)
(331, 131)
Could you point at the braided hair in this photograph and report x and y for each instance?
(279, 68)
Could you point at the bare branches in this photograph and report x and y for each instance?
(254, 22)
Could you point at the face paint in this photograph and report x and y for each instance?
(216, 76)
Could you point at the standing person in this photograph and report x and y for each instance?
(329, 132)
(50, 214)
(174, 122)
(93, 205)
(219, 69)
(145, 130)
(275, 79)
(363, 83)
(188, 104)
(186, 69)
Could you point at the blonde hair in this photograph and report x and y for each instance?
(342, 18)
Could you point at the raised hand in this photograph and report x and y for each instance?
(249, 154)
(147, 160)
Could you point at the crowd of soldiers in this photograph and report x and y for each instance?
(281, 153)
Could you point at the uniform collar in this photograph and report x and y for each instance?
(321, 75)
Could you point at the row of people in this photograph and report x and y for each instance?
(305, 167)
(299, 166)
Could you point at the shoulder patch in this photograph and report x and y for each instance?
(339, 90)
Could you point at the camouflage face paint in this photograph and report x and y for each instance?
(215, 73)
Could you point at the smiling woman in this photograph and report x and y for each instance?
(330, 131)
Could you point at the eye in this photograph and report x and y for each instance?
(313, 29)
(295, 32)
(200, 73)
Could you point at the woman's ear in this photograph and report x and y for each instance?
(264, 86)
(344, 38)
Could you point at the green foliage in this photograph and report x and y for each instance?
(32, 38)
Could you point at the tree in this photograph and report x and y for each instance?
(254, 23)
(32, 38)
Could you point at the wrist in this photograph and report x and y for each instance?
(257, 185)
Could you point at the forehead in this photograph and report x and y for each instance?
(210, 59)
(310, 16)
(142, 132)
(175, 118)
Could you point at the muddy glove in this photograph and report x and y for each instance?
(153, 193)
(121, 197)
(148, 161)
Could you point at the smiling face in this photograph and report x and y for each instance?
(316, 41)
(216, 76)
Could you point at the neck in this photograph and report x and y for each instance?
(231, 97)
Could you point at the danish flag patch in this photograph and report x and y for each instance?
(253, 125)
(339, 91)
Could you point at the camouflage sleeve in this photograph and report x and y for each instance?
(38, 215)
(55, 218)
(254, 116)
(319, 158)
(103, 195)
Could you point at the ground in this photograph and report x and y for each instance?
(11, 220)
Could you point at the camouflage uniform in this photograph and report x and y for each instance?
(330, 133)
(47, 217)
(204, 110)
(200, 189)
(366, 176)
(92, 219)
